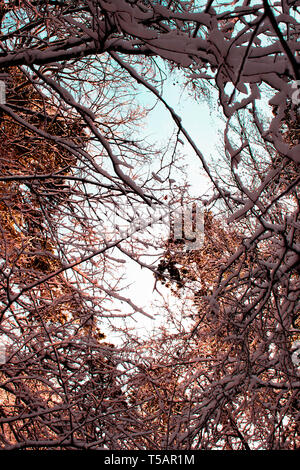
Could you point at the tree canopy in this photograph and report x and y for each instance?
(81, 79)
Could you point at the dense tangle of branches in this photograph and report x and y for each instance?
(72, 155)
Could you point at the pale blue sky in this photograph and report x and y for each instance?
(203, 124)
(200, 119)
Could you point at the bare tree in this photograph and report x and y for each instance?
(73, 156)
